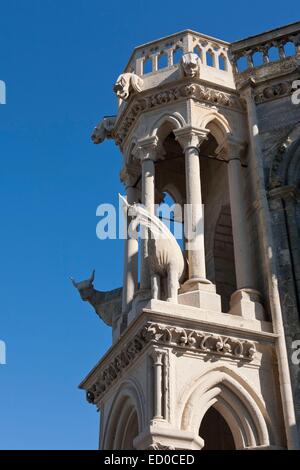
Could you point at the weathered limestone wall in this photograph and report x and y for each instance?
(277, 120)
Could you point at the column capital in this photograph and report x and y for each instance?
(190, 137)
(232, 149)
(147, 148)
(157, 356)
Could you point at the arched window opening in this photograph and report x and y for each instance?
(177, 54)
(197, 50)
(162, 61)
(289, 49)
(222, 62)
(242, 64)
(210, 60)
(257, 59)
(215, 432)
(273, 54)
(147, 66)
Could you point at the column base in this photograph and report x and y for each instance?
(197, 283)
(140, 300)
(164, 437)
(200, 293)
(247, 303)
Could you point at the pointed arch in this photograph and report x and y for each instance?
(292, 171)
(167, 123)
(218, 126)
(130, 150)
(285, 167)
(126, 413)
(235, 400)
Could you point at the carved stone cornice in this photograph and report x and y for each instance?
(168, 336)
(185, 89)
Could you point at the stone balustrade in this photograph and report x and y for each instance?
(257, 51)
(166, 53)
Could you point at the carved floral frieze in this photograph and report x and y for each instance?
(176, 337)
(186, 90)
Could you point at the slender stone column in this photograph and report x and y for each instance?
(130, 276)
(158, 369)
(147, 152)
(241, 239)
(190, 139)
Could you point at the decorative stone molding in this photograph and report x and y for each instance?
(190, 65)
(170, 336)
(147, 148)
(190, 137)
(200, 341)
(280, 155)
(126, 83)
(271, 92)
(103, 130)
(188, 90)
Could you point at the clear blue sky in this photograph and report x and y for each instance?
(59, 60)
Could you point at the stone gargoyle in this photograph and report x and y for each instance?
(103, 130)
(190, 65)
(107, 304)
(126, 83)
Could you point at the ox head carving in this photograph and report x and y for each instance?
(86, 287)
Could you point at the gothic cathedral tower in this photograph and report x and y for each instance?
(203, 332)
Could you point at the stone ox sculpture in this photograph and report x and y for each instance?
(166, 261)
(106, 304)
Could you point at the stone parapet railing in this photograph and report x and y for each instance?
(165, 53)
(264, 49)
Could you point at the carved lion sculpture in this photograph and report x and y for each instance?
(190, 64)
(126, 83)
